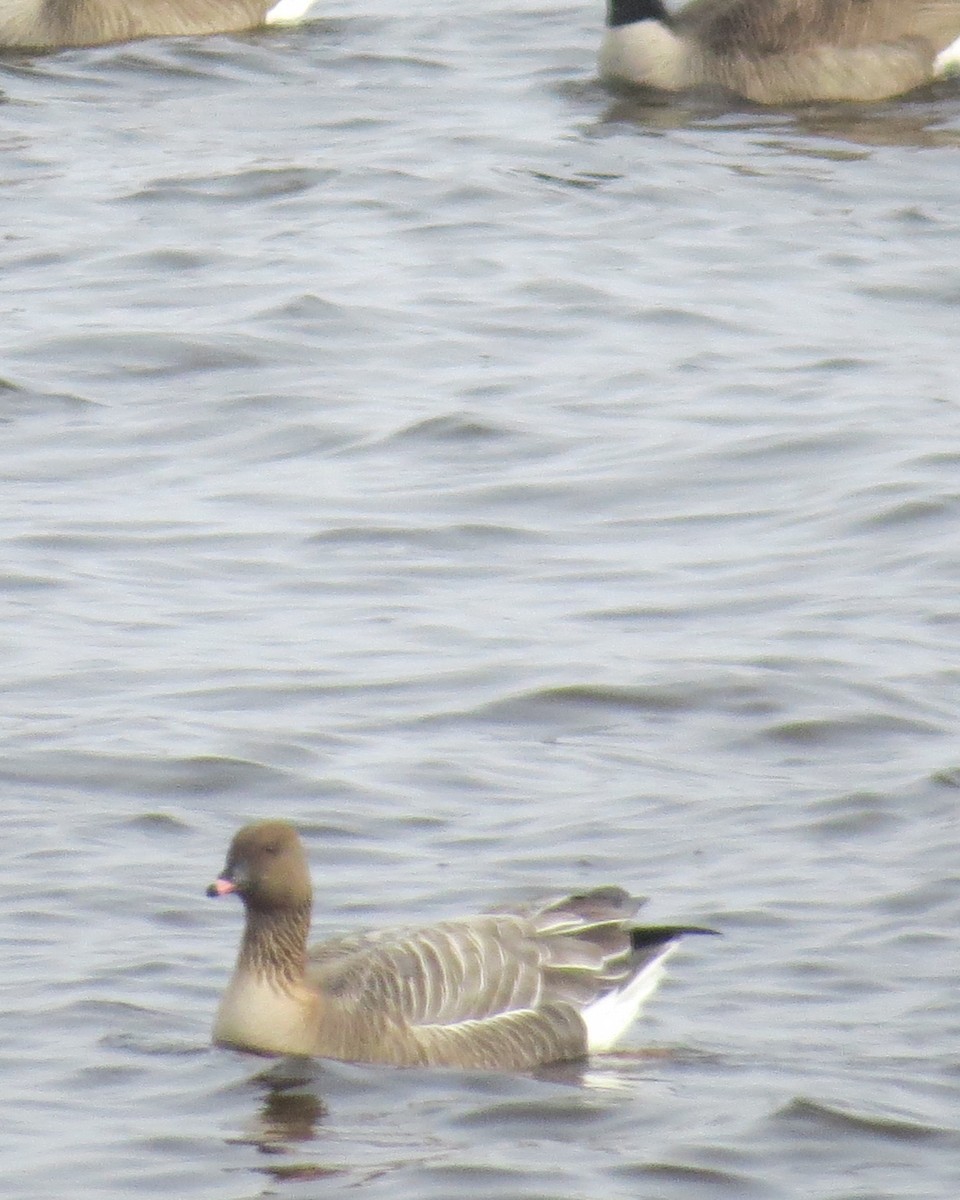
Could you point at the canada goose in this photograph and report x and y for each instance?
(780, 51)
(506, 990)
(54, 24)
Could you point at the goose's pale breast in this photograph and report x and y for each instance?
(257, 1013)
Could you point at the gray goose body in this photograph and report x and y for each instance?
(501, 990)
(781, 51)
(52, 24)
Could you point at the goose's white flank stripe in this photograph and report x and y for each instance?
(948, 61)
(288, 12)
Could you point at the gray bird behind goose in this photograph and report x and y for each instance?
(54, 24)
(781, 51)
(504, 990)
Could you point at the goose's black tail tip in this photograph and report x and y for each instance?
(645, 937)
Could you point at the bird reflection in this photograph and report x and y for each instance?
(925, 121)
(287, 1117)
(617, 1070)
(290, 1112)
(291, 1108)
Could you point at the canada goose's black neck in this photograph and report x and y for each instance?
(627, 12)
(274, 943)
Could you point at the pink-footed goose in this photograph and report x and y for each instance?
(54, 24)
(505, 990)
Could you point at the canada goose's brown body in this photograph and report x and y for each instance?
(502, 991)
(780, 51)
(51, 24)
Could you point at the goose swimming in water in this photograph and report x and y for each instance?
(506, 990)
(54, 24)
(781, 51)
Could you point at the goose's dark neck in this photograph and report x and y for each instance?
(626, 12)
(275, 943)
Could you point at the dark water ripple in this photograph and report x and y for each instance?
(821, 1119)
(518, 486)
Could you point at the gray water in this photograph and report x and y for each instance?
(519, 487)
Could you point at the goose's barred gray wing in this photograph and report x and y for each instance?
(489, 965)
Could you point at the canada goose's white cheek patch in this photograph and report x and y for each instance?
(645, 53)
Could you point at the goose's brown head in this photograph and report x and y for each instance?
(266, 867)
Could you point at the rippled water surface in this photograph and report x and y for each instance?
(518, 486)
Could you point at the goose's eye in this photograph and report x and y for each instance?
(271, 849)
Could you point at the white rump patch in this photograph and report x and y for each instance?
(608, 1018)
(947, 61)
(288, 12)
